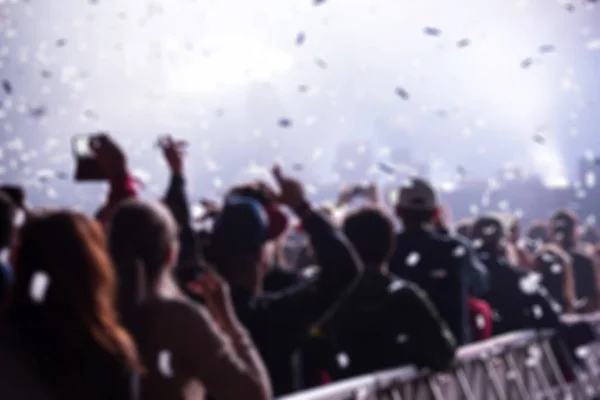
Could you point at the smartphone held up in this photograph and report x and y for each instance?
(87, 167)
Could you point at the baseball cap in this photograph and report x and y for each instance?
(417, 194)
(241, 227)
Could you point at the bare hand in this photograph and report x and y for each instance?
(291, 190)
(215, 292)
(174, 152)
(110, 156)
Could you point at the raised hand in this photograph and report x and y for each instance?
(174, 153)
(110, 156)
(217, 298)
(291, 190)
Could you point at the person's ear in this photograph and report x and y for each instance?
(172, 255)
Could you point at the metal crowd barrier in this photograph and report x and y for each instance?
(521, 365)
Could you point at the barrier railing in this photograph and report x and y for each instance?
(520, 365)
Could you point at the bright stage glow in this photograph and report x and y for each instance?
(229, 62)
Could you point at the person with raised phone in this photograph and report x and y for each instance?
(280, 322)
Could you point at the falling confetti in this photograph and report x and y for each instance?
(38, 112)
(7, 86)
(46, 74)
(526, 63)
(402, 338)
(556, 268)
(539, 138)
(300, 39)
(388, 169)
(297, 167)
(569, 7)
(547, 49)
(61, 42)
(402, 93)
(321, 63)
(490, 230)
(285, 122)
(343, 360)
(480, 322)
(39, 286)
(395, 286)
(412, 259)
(459, 251)
(318, 2)
(164, 364)
(463, 43)
(303, 88)
(538, 313)
(430, 31)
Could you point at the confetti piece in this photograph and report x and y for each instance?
(569, 7)
(297, 167)
(303, 88)
(459, 251)
(219, 113)
(38, 112)
(164, 364)
(300, 38)
(402, 338)
(480, 322)
(395, 286)
(285, 122)
(321, 63)
(556, 268)
(461, 171)
(538, 313)
(318, 2)
(431, 31)
(343, 360)
(413, 259)
(61, 42)
(402, 93)
(388, 169)
(526, 63)
(547, 49)
(539, 138)
(46, 74)
(39, 286)
(7, 86)
(463, 43)
(489, 230)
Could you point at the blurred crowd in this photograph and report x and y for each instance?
(266, 293)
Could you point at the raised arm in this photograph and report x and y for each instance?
(339, 265)
(114, 162)
(176, 198)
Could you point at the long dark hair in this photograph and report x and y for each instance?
(72, 330)
(141, 236)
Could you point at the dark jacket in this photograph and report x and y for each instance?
(586, 290)
(280, 322)
(442, 267)
(517, 298)
(387, 322)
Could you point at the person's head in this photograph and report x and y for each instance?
(371, 232)
(538, 234)
(237, 244)
(264, 195)
(417, 204)
(63, 306)
(8, 212)
(464, 228)
(563, 226)
(144, 243)
(489, 234)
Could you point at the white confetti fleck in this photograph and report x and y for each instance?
(395, 286)
(478, 243)
(402, 338)
(343, 360)
(548, 257)
(556, 268)
(459, 251)
(164, 364)
(39, 286)
(480, 321)
(590, 179)
(530, 283)
(412, 259)
(538, 313)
